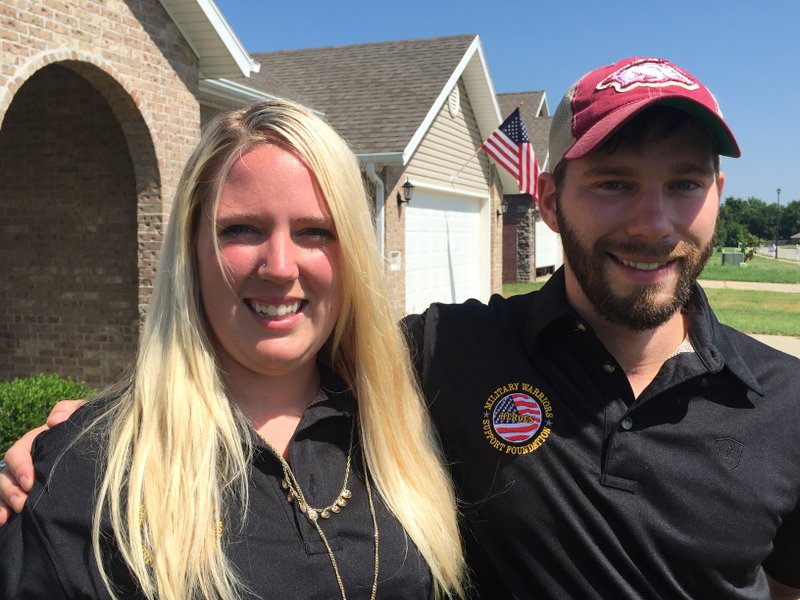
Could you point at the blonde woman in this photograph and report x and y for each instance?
(270, 441)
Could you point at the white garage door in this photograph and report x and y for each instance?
(443, 250)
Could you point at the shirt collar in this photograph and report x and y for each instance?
(711, 341)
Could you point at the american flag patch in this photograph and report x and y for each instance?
(516, 418)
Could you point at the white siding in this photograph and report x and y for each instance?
(448, 145)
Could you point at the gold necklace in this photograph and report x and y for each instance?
(290, 484)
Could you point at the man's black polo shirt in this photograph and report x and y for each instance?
(572, 490)
(46, 551)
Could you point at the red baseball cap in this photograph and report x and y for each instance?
(601, 101)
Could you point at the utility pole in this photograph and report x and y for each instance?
(777, 222)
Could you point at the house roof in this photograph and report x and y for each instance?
(534, 112)
(381, 96)
(219, 51)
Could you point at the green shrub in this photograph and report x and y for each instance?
(25, 403)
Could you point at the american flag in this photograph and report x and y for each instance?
(517, 417)
(510, 146)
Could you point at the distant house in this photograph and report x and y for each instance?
(530, 247)
(413, 111)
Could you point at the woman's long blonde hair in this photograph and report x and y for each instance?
(176, 461)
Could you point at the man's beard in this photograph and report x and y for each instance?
(641, 309)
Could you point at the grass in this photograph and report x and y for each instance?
(513, 289)
(776, 313)
(752, 311)
(760, 268)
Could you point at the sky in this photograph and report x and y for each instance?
(746, 52)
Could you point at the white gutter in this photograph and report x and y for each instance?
(229, 93)
(380, 213)
(383, 158)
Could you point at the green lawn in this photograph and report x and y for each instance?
(760, 268)
(513, 289)
(775, 313)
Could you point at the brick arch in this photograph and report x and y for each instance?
(80, 219)
(135, 121)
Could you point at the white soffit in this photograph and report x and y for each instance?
(219, 51)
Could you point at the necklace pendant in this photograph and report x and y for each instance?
(302, 506)
(347, 494)
(335, 508)
(284, 484)
(341, 501)
(290, 497)
(312, 514)
(325, 514)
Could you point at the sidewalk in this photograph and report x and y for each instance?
(790, 345)
(751, 285)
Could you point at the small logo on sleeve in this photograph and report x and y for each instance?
(517, 418)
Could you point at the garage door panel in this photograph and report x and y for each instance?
(443, 246)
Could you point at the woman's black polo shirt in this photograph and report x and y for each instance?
(46, 552)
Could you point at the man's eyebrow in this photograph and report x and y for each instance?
(609, 171)
(684, 168)
(693, 168)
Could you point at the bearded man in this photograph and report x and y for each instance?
(609, 438)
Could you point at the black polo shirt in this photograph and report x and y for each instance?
(571, 489)
(46, 551)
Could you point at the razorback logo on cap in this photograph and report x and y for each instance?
(647, 72)
(517, 418)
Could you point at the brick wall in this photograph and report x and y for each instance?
(519, 240)
(395, 240)
(98, 112)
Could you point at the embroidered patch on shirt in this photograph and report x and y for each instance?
(729, 452)
(517, 418)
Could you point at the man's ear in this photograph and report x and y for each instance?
(547, 200)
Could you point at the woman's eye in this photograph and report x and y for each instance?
(236, 231)
(317, 233)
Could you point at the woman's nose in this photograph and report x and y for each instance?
(278, 260)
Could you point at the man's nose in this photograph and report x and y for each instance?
(650, 214)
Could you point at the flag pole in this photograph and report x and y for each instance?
(466, 162)
(474, 154)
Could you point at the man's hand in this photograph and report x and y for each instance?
(16, 480)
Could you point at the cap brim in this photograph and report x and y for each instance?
(600, 131)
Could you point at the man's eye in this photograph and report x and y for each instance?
(686, 186)
(613, 185)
